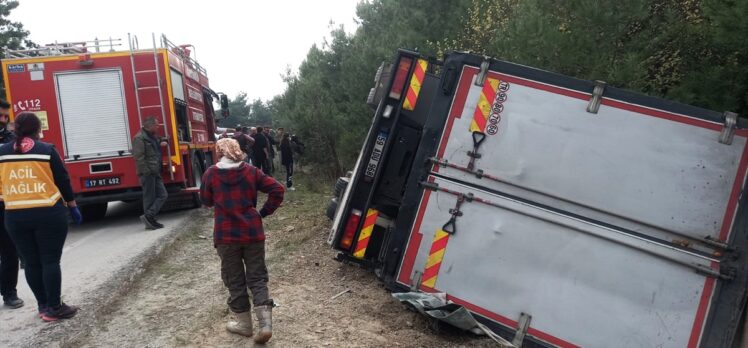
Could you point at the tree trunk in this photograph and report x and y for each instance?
(336, 161)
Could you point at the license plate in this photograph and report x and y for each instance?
(98, 182)
(376, 155)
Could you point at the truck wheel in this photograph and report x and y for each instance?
(209, 159)
(331, 208)
(197, 173)
(340, 186)
(93, 211)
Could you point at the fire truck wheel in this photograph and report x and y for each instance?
(331, 208)
(197, 171)
(93, 211)
(209, 159)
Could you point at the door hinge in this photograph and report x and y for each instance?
(416, 282)
(728, 129)
(597, 97)
(522, 326)
(483, 72)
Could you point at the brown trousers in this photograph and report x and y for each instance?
(243, 266)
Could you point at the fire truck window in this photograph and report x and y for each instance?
(183, 128)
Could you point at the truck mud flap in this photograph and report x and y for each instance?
(439, 309)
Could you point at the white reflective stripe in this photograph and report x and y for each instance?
(52, 199)
(12, 157)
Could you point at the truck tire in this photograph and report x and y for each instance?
(331, 208)
(208, 160)
(340, 186)
(197, 173)
(93, 211)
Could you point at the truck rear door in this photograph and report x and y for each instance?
(612, 226)
(363, 225)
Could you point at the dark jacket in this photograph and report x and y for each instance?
(6, 136)
(260, 146)
(40, 191)
(147, 152)
(245, 141)
(233, 192)
(271, 145)
(286, 153)
(297, 145)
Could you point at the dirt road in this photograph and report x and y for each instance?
(180, 300)
(99, 258)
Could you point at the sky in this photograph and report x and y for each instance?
(244, 45)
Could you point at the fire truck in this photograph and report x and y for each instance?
(559, 212)
(92, 99)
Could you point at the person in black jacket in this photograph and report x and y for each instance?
(38, 197)
(245, 141)
(260, 151)
(8, 252)
(286, 152)
(271, 150)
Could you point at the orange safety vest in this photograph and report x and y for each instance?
(26, 181)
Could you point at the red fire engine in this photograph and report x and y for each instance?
(92, 99)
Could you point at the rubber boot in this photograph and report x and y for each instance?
(265, 319)
(242, 325)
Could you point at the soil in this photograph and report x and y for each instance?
(181, 301)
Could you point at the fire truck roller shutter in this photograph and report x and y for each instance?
(93, 113)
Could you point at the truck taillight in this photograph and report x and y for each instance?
(350, 230)
(398, 85)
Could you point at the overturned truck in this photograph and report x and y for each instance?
(564, 211)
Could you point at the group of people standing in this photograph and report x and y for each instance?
(38, 201)
(259, 145)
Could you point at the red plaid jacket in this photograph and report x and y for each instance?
(233, 192)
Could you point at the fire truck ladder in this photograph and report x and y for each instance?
(143, 89)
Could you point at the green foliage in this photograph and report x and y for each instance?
(667, 48)
(325, 103)
(238, 112)
(692, 51)
(723, 85)
(12, 34)
(481, 24)
(244, 113)
(260, 114)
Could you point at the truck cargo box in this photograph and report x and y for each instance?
(605, 217)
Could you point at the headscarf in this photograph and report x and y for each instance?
(230, 149)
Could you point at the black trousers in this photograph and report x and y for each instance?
(261, 161)
(8, 262)
(40, 243)
(289, 174)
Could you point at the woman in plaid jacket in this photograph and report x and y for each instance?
(231, 187)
